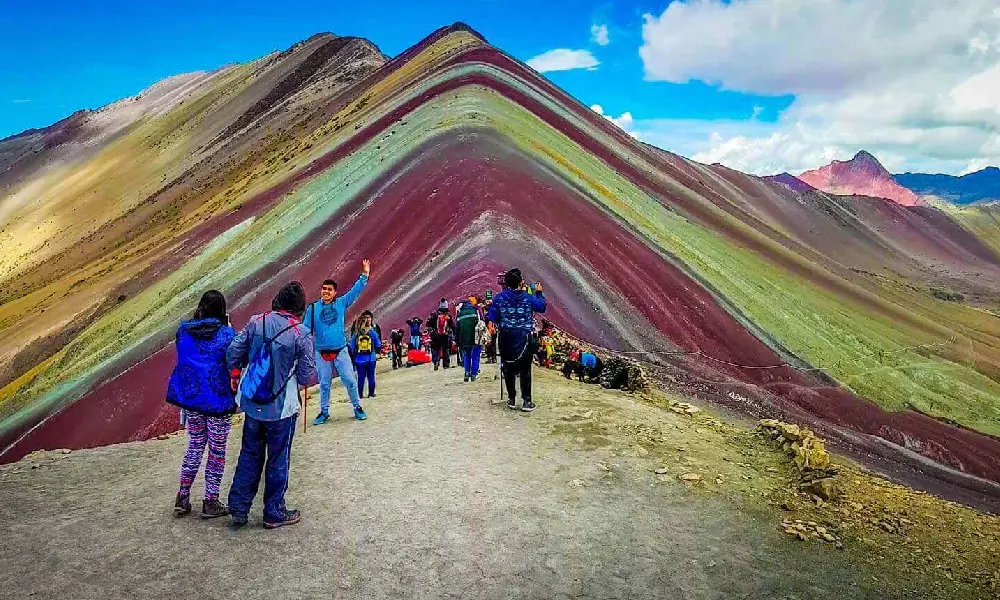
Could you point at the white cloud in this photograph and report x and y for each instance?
(562, 59)
(599, 35)
(625, 121)
(885, 76)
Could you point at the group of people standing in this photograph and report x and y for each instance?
(261, 369)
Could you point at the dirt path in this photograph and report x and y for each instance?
(439, 494)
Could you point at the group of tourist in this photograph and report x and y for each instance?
(278, 354)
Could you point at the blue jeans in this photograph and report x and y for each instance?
(345, 367)
(366, 370)
(415, 342)
(273, 438)
(470, 359)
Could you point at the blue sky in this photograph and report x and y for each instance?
(72, 55)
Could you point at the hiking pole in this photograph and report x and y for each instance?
(305, 409)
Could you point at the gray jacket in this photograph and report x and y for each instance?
(291, 355)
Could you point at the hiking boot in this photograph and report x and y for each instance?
(321, 418)
(435, 367)
(291, 517)
(512, 404)
(237, 521)
(371, 395)
(182, 505)
(527, 406)
(359, 413)
(210, 509)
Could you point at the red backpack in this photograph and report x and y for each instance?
(442, 324)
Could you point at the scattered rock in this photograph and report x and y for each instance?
(576, 483)
(64, 451)
(824, 487)
(163, 437)
(662, 471)
(588, 414)
(690, 477)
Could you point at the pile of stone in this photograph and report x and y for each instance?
(623, 373)
(809, 453)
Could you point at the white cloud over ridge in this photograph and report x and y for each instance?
(917, 82)
(599, 35)
(624, 121)
(562, 59)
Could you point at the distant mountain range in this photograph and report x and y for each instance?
(981, 186)
(864, 175)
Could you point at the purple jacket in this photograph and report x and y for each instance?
(292, 356)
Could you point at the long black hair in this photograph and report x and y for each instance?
(211, 306)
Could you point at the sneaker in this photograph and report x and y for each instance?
(291, 517)
(473, 378)
(237, 521)
(359, 413)
(466, 380)
(321, 418)
(211, 509)
(512, 404)
(371, 395)
(527, 406)
(435, 367)
(182, 505)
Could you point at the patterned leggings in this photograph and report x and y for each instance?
(213, 432)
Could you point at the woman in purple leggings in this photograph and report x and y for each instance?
(200, 385)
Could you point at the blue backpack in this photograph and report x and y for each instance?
(258, 381)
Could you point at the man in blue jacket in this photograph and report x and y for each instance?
(513, 310)
(325, 318)
(268, 428)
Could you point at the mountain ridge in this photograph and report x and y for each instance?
(444, 165)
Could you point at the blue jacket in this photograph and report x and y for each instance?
(514, 312)
(588, 360)
(366, 357)
(326, 321)
(292, 359)
(200, 381)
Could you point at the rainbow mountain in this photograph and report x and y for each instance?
(869, 320)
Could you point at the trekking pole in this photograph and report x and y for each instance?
(305, 409)
(499, 364)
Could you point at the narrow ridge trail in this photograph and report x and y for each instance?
(442, 493)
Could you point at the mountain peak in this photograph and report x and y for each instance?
(863, 175)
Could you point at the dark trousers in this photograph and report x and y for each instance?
(265, 444)
(397, 356)
(366, 371)
(441, 350)
(520, 368)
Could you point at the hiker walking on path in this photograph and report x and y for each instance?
(414, 325)
(396, 338)
(513, 310)
(200, 386)
(277, 353)
(466, 325)
(441, 327)
(325, 319)
(365, 346)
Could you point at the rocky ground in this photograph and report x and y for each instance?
(443, 492)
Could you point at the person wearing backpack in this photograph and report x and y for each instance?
(441, 326)
(513, 310)
(415, 324)
(275, 353)
(325, 319)
(365, 346)
(200, 386)
(466, 324)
